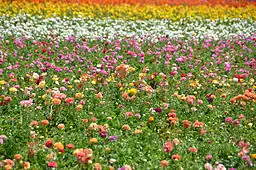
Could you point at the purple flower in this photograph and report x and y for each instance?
(103, 134)
(112, 138)
(159, 110)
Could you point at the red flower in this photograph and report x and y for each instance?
(43, 50)
(52, 164)
(48, 143)
(183, 75)
(70, 146)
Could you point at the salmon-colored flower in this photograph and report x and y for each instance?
(26, 165)
(79, 95)
(17, 156)
(192, 149)
(61, 126)
(97, 166)
(164, 163)
(56, 101)
(70, 146)
(168, 147)
(198, 124)
(69, 101)
(83, 155)
(126, 127)
(186, 123)
(44, 122)
(176, 157)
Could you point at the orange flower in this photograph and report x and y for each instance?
(59, 145)
(151, 119)
(93, 140)
(17, 157)
(198, 124)
(99, 95)
(26, 165)
(79, 95)
(97, 166)
(126, 127)
(121, 71)
(192, 149)
(186, 123)
(56, 101)
(164, 163)
(44, 122)
(176, 157)
(173, 120)
(79, 107)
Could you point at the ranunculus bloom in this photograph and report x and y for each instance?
(70, 146)
(186, 123)
(228, 119)
(44, 122)
(61, 126)
(159, 110)
(176, 157)
(93, 140)
(168, 147)
(126, 127)
(52, 164)
(192, 149)
(198, 124)
(164, 163)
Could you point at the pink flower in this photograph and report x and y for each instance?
(208, 166)
(228, 119)
(241, 116)
(52, 164)
(26, 103)
(208, 157)
(168, 147)
(200, 101)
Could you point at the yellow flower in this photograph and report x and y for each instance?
(59, 145)
(151, 119)
(132, 91)
(131, 84)
(93, 140)
(55, 78)
(253, 156)
(42, 84)
(2, 82)
(13, 89)
(94, 82)
(70, 86)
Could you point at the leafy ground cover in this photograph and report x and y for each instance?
(77, 93)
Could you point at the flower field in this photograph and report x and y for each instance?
(128, 85)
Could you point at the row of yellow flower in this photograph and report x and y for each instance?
(125, 11)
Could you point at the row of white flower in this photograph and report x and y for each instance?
(35, 27)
